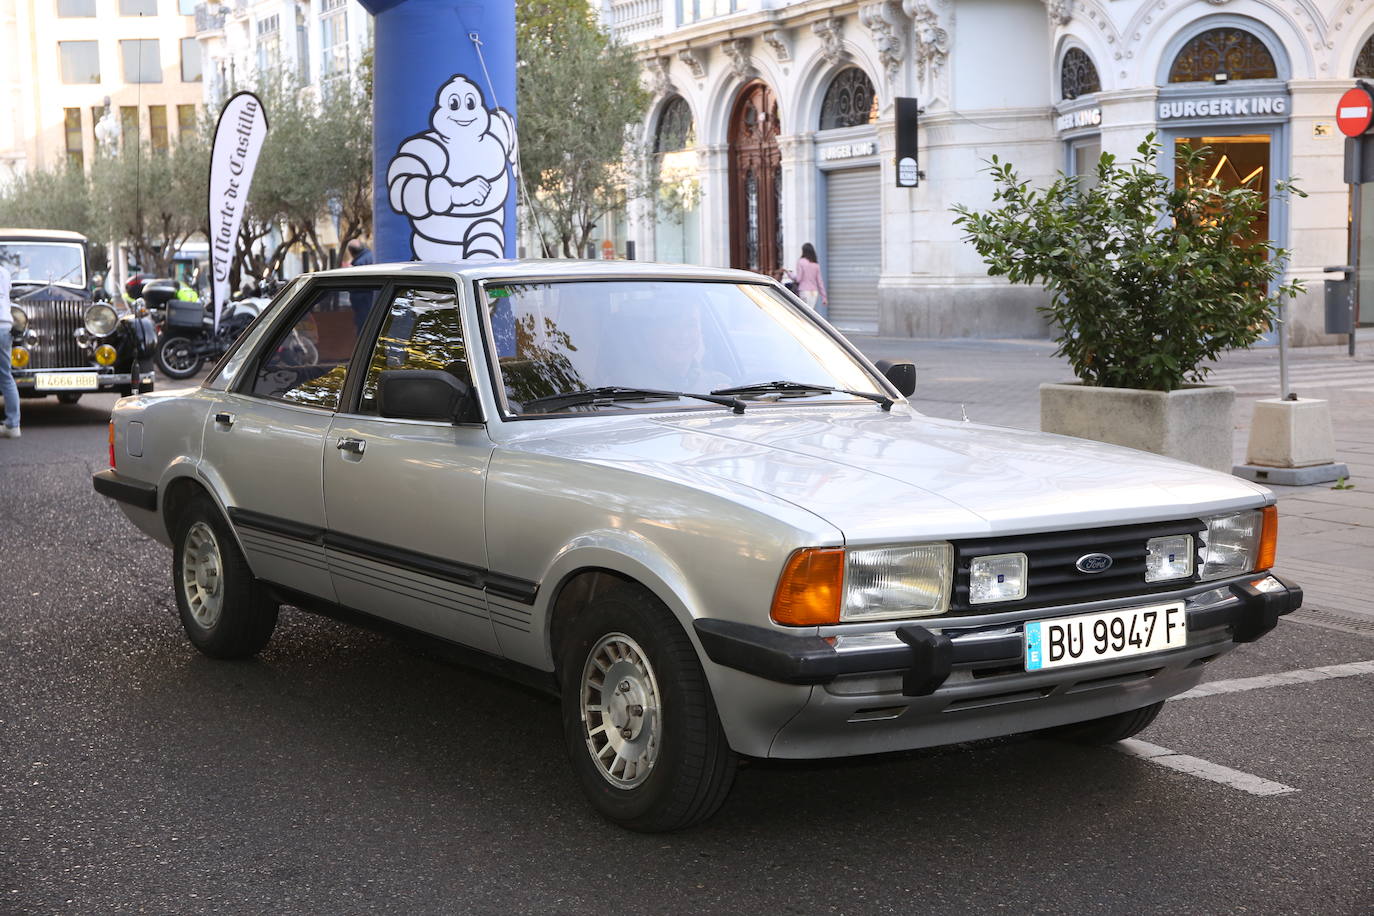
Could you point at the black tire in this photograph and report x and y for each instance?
(1110, 729)
(694, 768)
(246, 614)
(69, 397)
(176, 358)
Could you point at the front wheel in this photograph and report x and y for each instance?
(1109, 729)
(226, 612)
(641, 726)
(177, 358)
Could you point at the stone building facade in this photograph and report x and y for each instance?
(760, 139)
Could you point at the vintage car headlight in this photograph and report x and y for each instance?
(882, 583)
(1169, 558)
(1000, 577)
(1238, 542)
(101, 320)
(20, 320)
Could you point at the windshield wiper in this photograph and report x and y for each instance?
(608, 394)
(803, 388)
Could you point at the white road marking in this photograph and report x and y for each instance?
(1203, 769)
(1282, 679)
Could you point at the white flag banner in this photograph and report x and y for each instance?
(238, 139)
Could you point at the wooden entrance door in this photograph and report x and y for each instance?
(755, 182)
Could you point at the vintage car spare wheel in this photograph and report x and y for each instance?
(225, 611)
(641, 726)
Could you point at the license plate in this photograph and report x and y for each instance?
(65, 381)
(1065, 641)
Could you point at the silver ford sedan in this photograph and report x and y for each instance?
(681, 501)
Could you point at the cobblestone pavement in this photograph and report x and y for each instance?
(1325, 534)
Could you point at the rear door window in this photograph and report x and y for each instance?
(307, 362)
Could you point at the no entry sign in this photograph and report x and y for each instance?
(1354, 112)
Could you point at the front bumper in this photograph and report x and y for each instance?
(926, 656)
(949, 680)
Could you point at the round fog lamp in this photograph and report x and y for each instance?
(105, 355)
(19, 357)
(101, 320)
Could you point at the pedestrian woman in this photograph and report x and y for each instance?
(810, 286)
(7, 387)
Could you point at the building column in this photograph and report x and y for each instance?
(799, 192)
(714, 225)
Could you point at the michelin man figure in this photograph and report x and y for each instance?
(452, 180)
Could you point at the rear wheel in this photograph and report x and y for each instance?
(640, 723)
(1109, 729)
(225, 611)
(177, 358)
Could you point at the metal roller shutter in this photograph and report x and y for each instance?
(853, 246)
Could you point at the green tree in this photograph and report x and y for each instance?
(56, 198)
(152, 201)
(1149, 276)
(579, 99)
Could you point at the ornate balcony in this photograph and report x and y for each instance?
(632, 20)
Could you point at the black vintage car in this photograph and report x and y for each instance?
(65, 341)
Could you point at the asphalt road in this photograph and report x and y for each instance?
(345, 772)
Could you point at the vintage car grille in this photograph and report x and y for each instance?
(1052, 577)
(56, 323)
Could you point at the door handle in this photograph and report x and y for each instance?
(225, 418)
(355, 446)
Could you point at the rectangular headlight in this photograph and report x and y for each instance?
(1169, 558)
(1000, 577)
(1230, 544)
(882, 583)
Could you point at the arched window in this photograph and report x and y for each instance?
(850, 101)
(1077, 75)
(1221, 55)
(674, 127)
(1364, 64)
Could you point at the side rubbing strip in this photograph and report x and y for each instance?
(406, 559)
(516, 589)
(246, 518)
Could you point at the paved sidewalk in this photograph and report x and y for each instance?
(1326, 536)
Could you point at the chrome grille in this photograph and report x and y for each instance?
(56, 323)
(1051, 576)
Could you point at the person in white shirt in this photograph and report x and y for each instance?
(7, 386)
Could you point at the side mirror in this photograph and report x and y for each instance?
(901, 373)
(426, 394)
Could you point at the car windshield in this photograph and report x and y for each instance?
(631, 344)
(45, 262)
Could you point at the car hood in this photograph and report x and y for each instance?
(880, 476)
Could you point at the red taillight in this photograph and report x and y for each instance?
(112, 461)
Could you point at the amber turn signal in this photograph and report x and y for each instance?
(19, 357)
(105, 355)
(112, 460)
(811, 588)
(1269, 538)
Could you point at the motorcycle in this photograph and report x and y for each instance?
(186, 334)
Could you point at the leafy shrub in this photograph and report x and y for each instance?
(1149, 277)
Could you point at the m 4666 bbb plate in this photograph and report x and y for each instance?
(1063, 641)
(65, 381)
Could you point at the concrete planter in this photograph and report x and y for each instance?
(1192, 424)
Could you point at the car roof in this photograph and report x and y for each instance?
(41, 235)
(550, 269)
